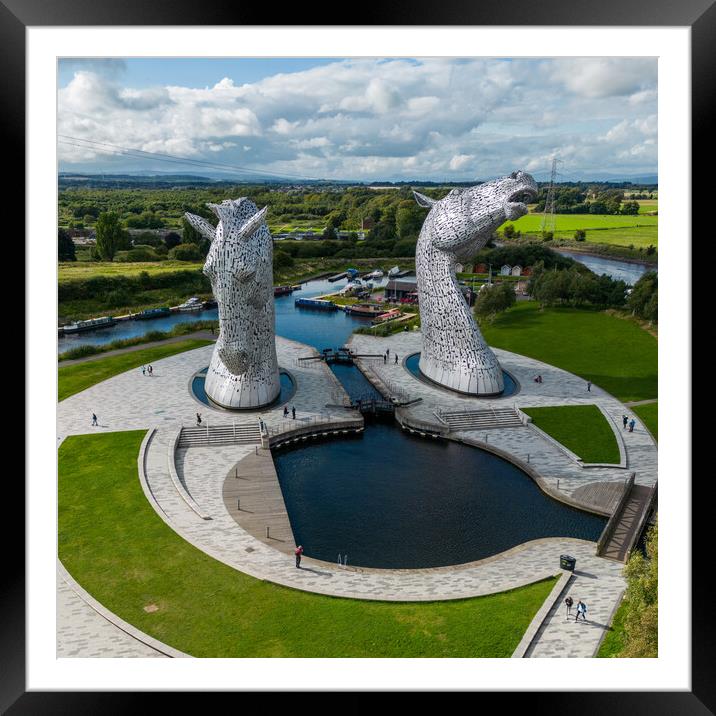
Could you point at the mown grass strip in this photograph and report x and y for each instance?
(112, 542)
(613, 353)
(580, 428)
(73, 379)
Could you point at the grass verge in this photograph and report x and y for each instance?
(614, 354)
(649, 415)
(614, 640)
(117, 548)
(580, 428)
(73, 379)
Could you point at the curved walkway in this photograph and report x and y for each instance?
(132, 401)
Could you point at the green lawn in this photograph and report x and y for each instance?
(72, 379)
(638, 230)
(71, 270)
(613, 642)
(612, 352)
(113, 543)
(583, 429)
(649, 415)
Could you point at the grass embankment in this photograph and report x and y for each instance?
(649, 415)
(580, 428)
(180, 329)
(117, 548)
(637, 231)
(614, 640)
(614, 354)
(72, 379)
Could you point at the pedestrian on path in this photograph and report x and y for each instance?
(293, 412)
(569, 602)
(198, 420)
(581, 609)
(150, 369)
(589, 386)
(285, 411)
(625, 420)
(144, 370)
(387, 352)
(299, 552)
(632, 423)
(396, 359)
(385, 357)
(94, 419)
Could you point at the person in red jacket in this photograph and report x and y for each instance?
(299, 552)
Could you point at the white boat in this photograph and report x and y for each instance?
(375, 274)
(192, 304)
(394, 271)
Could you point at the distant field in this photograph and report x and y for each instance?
(85, 269)
(604, 229)
(647, 205)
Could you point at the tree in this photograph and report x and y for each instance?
(65, 246)
(330, 233)
(111, 237)
(641, 621)
(172, 239)
(643, 300)
(492, 300)
(186, 252)
(580, 235)
(282, 260)
(409, 219)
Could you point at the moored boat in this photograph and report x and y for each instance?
(91, 324)
(150, 313)
(192, 304)
(394, 271)
(316, 303)
(368, 310)
(282, 290)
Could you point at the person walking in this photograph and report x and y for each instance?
(625, 420)
(581, 609)
(94, 419)
(150, 369)
(293, 412)
(569, 602)
(144, 370)
(589, 386)
(385, 357)
(387, 352)
(285, 411)
(632, 423)
(198, 420)
(299, 552)
(396, 359)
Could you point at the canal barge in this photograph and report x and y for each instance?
(318, 304)
(91, 324)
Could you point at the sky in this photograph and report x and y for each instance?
(360, 119)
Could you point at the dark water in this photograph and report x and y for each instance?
(511, 386)
(288, 388)
(320, 329)
(391, 500)
(618, 270)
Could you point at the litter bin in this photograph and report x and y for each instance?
(567, 562)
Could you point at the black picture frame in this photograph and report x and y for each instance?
(699, 15)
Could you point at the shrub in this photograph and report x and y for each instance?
(185, 252)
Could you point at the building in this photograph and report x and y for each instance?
(505, 270)
(398, 289)
(516, 270)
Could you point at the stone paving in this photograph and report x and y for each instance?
(132, 401)
(82, 632)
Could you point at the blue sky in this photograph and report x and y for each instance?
(361, 119)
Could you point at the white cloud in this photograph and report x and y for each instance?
(383, 119)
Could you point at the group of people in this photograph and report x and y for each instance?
(538, 379)
(147, 370)
(630, 423)
(580, 611)
(386, 355)
(293, 411)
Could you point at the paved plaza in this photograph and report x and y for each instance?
(162, 404)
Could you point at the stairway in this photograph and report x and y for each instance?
(240, 434)
(484, 419)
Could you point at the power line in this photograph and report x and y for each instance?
(548, 220)
(109, 148)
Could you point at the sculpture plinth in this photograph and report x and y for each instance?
(454, 352)
(243, 372)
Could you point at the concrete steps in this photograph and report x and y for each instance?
(244, 434)
(481, 419)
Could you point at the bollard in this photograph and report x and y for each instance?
(528, 458)
(268, 534)
(238, 503)
(257, 449)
